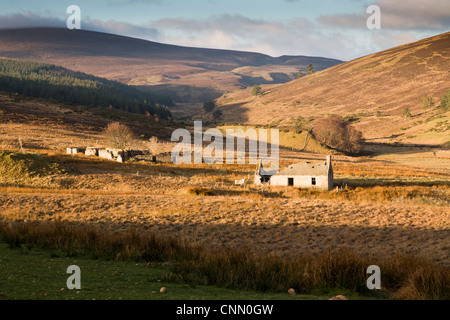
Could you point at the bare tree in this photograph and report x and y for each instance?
(118, 136)
(338, 134)
(153, 145)
(354, 141)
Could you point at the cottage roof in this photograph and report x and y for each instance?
(306, 169)
(265, 172)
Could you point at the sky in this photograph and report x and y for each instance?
(327, 28)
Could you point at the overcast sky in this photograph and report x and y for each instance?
(327, 28)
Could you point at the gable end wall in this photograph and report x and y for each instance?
(322, 182)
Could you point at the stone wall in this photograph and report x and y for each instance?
(75, 150)
(322, 182)
(91, 151)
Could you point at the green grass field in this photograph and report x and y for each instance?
(38, 274)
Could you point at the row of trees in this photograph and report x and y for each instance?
(57, 83)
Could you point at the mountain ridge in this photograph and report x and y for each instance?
(134, 61)
(373, 91)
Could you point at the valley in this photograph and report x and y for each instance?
(389, 205)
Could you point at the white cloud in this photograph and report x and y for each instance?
(28, 20)
(300, 36)
(120, 28)
(399, 15)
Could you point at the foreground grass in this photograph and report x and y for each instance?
(37, 274)
(404, 277)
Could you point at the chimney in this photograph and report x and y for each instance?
(328, 161)
(330, 173)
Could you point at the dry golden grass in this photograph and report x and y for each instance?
(395, 201)
(389, 207)
(235, 218)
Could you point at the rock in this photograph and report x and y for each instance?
(338, 297)
(163, 290)
(291, 291)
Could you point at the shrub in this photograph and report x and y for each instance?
(428, 102)
(338, 134)
(209, 106)
(304, 124)
(445, 102)
(256, 90)
(199, 191)
(407, 113)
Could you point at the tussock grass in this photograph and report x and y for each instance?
(18, 165)
(230, 192)
(87, 240)
(403, 276)
(29, 190)
(432, 194)
(199, 191)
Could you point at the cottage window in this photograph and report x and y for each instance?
(313, 181)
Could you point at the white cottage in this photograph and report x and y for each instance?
(314, 175)
(262, 176)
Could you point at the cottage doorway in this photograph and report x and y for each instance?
(290, 181)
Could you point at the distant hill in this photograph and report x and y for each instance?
(57, 83)
(146, 63)
(372, 92)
